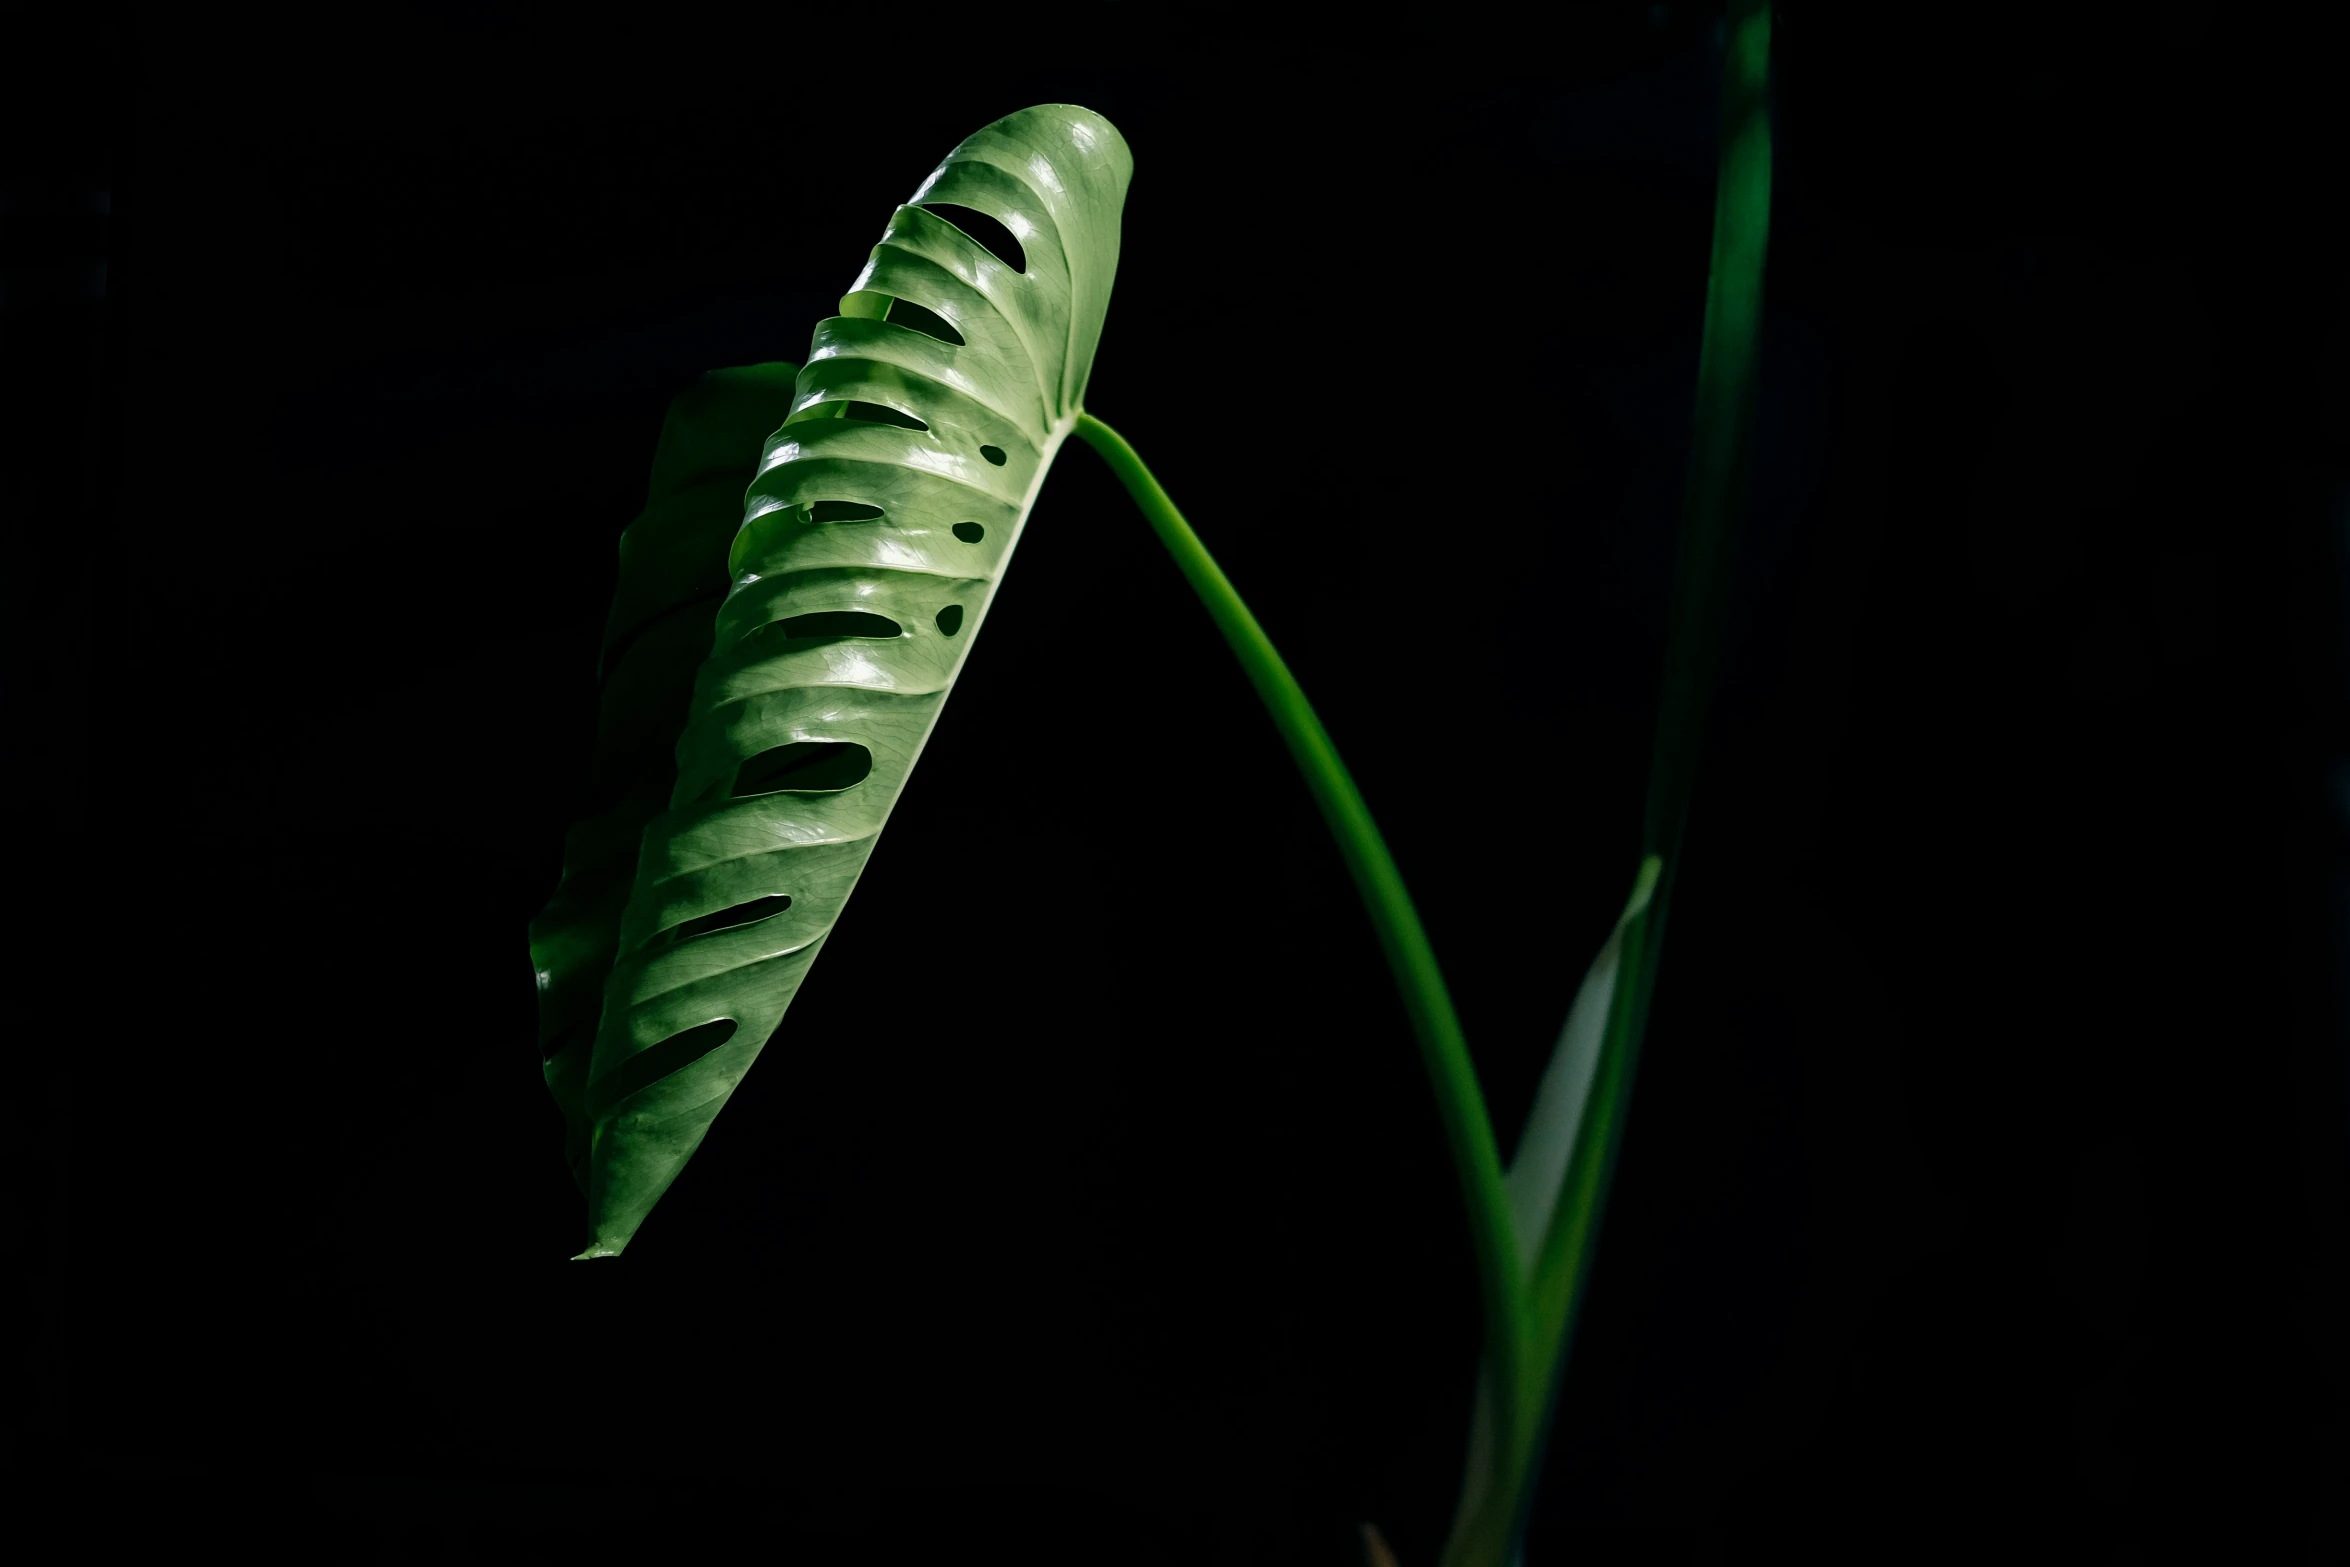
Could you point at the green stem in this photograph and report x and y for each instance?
(1468, 1130)
(1530, 1316)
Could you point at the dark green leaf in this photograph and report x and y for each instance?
(672, 579)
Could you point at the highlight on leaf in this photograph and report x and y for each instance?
(878, 518)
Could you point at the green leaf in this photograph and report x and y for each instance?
(1550, 1170)
(1538, 1169)
(1557, 1185)
(672, 578)
(805, 724)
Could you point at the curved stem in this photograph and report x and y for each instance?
(1468, 1130)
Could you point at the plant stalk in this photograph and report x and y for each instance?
(1532, 1303)
(1460, 1100)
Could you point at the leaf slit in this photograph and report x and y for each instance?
(851, 410)
(804, 765)
(837, 623)
(741, 914)
(905, 313)
(989, 234)
(828, 625)
(650, 1065)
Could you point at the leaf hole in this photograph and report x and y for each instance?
(904, 312)
(950, 619)
(830, 625)
(808, 765)
(970, 532)
(741, 914)
(879, 413)
(649, 1066)
(843, 511)
(838, 623)
(994, 454)
(989, 234)
(859, 413)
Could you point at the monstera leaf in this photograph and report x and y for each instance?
(672, 579)
(878, 522)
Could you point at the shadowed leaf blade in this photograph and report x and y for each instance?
(672, 578)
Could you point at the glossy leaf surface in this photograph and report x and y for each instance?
(892, 496)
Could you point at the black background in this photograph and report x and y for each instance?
(1984, 1191)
